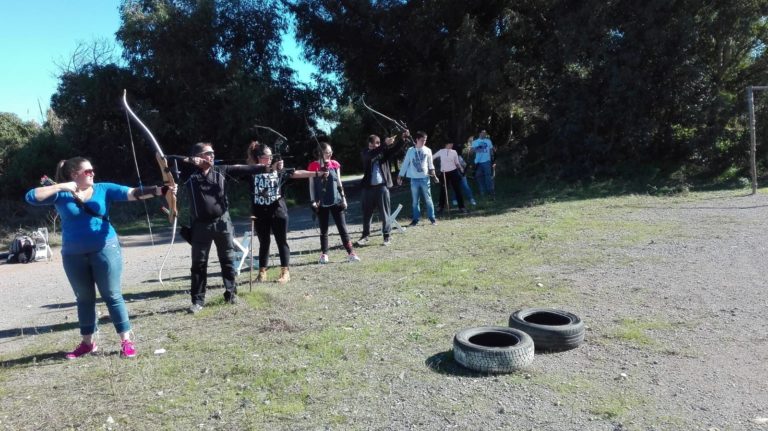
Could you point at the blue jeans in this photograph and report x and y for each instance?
(484, 177)
(420, 188)
(465, 190)
(100, 269)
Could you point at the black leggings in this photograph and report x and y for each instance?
(278, 226)
(454, 178)
(341, 225)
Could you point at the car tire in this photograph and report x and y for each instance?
(550, 329)
(493, 349)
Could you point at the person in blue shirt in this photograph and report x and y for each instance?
(90, 249)
(484, 164)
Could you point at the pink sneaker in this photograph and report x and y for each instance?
(127, 349)
(82, 349)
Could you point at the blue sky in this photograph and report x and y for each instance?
(36, 35)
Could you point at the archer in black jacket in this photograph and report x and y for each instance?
(210, 220)
(377, 179)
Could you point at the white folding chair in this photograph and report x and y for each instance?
(393, 219)
(40, 236)
(242, 248)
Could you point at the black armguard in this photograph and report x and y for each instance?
(149, 192)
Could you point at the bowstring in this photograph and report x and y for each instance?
(138, 175)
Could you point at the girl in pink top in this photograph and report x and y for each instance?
(328, 198)
(451, 173)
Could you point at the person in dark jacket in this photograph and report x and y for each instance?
(376, 182)
(210, 220)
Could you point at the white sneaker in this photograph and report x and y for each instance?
(386, 242)
(323, 258)
(363, 241)
(353, 257)
(454, 202)
(473, 202)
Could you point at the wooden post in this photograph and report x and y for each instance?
(752, 135)
(752, 139)
(447, 201)
(250, 246)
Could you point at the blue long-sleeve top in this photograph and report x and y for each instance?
(82, 232)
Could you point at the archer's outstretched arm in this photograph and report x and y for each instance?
(141, 193)
(308, 174)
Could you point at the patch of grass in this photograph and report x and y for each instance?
(567, 385)
(638, 332)
(258, 300)
(617, 406)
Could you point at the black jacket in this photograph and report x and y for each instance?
(208, 192)
(384, 154)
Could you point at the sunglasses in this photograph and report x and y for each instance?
(88, 172)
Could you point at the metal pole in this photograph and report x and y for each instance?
(752, 139)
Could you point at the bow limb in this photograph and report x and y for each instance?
(399, 124)
(161, 161)
(271, 130)
(279, 142)
(143, 126)
(168, 180)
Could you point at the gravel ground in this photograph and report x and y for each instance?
(708, 284)
(706, 370)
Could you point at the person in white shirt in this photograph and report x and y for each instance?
(451, 169)
(418, 167)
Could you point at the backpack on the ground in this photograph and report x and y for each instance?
(23, 250)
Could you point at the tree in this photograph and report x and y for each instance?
(27, 151)
(94, 124)
(584, 88)
(14, 134)
(651, 83)
(212, 69)
(449, 67)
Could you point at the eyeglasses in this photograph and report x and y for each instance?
(206, 153)
(88, 172)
